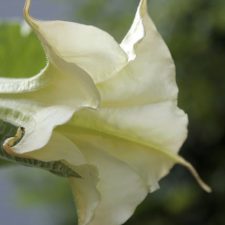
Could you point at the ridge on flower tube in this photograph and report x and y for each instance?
(106, 111)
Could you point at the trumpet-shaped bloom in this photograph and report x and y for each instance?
(107, 111)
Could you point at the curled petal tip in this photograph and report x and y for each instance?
(143, 6)
(201, 183)
(26, 12)
(26, 9)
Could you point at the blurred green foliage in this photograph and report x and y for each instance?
(195, 33)
(20, 54)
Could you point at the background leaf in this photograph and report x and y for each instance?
(20, 56)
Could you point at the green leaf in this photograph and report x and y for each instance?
(17, 50)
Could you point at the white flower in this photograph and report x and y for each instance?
(107, 111)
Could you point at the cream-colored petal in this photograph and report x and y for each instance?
(121, 188)
(161, 125)
(85, 192)
(150, 76)
(22, 85)
(88, 47)
(59, 148)
(41, 106)
(150, 164)
(145, 137)
(160, 128)
(138, 30)
(86, 196)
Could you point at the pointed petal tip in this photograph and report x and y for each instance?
(26, 8)
(195, 174)
(143, 7)
(26, 13)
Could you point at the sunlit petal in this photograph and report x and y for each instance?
(88, 47)
(86, 195)
(121, 188)
(85, 192)
(150, 76)
(120, 126)
(41, 103)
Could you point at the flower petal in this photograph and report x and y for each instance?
(150, 164)
(121, 188)
(59, 148)
(86, 195)
(157, 130)
(88, 47)
(43, 102)
(148, 143)
(150, 76)
(161, 125)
